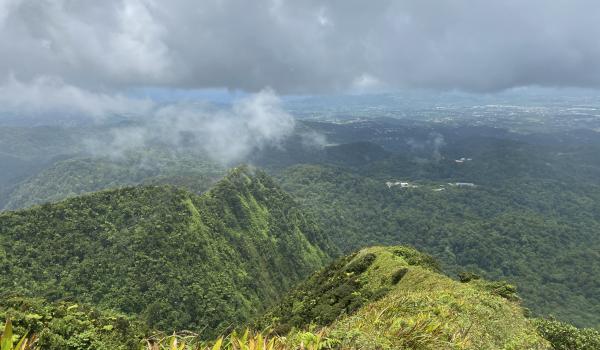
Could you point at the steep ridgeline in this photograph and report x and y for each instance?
(178, 260)
(395, 298)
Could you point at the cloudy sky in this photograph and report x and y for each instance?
(92, 54)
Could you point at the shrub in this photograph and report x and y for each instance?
(398, 274)
(564, 336)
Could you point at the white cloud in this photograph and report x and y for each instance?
(51, 95)
(6, 7)
(137, 45)
(108, 43)
(366, 83)
(226, 135)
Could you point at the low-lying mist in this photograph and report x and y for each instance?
(224, 134)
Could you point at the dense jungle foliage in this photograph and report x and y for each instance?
(174, 246)
(564, 336)
(70, 326)
(540, 236)
(376, 298)
(176, 259)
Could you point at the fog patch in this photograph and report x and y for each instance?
(313, 140)
(437, 142)
(226, 135)
(430, 147)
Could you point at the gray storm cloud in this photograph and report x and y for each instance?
(302, 46)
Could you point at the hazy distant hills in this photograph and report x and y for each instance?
(78, 175)
(49, 163)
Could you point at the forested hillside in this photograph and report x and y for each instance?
(176, 259)
(375, 298)
(527, 210)
(541, 236)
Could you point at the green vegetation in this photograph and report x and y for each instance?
(395, 298)
(377, 298)
(167, 258)
(6, 339)
(336, 290)
(69, 326)
(176, 259)
(541, 236)
(246, 340)
(36, 324)
(564, 336)
(75, 176)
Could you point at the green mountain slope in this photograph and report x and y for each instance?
(377, 298)
(533, 217)
(180, 260)
(540, 235)
(394, 298)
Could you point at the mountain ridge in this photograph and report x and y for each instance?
(177, 259)
(395, 297)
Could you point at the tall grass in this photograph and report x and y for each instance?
(249, 340)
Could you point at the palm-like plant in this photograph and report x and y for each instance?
(246, 341)
(7, 343)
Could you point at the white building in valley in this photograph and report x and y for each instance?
(401, 184)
